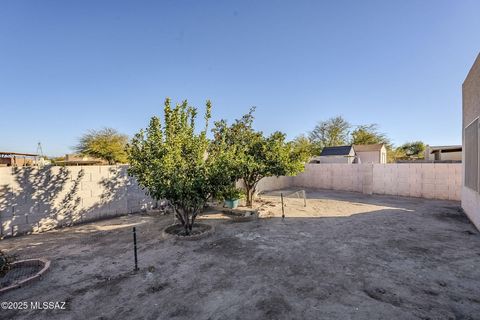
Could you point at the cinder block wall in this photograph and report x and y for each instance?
(347, 177)
(272, 183)
(426, 180)
(36, 200)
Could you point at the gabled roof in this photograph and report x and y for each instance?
(367, 147)
(336, 151)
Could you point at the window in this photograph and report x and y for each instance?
(471, 156)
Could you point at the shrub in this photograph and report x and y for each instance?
(233, 193)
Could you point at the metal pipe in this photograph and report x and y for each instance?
(135, 247)
(283, 210)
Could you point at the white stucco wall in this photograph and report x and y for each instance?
(471, 111)
(369, 156)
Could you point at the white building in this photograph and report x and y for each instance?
(442, 153)
(361, 153)
(339, 154)
(371, 153)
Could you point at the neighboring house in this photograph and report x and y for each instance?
(470, 142)
(371, 153)
(79, 160)
(360, 153)
(340, 154)
(17, 159)
(441, 153)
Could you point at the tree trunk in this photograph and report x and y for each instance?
(250, 195)
(182, 215)
(187, 218)
(187, 223)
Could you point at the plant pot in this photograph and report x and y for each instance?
(231, 204)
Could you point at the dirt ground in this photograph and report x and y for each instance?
(344, 256)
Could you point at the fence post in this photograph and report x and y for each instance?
(283, 210)
(135, 247)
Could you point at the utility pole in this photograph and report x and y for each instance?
(40, 156)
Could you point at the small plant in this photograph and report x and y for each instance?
(233, 193)
(5, 263)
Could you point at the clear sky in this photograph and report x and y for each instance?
(69, 66)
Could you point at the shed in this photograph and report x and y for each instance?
(338, 154)
(371, 153)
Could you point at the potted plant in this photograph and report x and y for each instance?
(231, 197)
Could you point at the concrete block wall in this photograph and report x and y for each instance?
(333, 176)
(36, 200)
(272, 183)
(425, 180)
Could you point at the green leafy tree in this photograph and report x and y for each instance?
(107, 144)
(303, 145)
(369, 134)
(174, 162)
(411, 150)
(254, 156)
(396, 154)
(330, 133)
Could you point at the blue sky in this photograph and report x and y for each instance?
(70, 66)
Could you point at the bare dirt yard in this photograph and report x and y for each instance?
(344, 256)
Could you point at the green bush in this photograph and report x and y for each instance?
(233, 193)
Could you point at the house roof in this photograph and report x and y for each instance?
(368, 147)
(445, 149)
(5, 153)
(336, 151)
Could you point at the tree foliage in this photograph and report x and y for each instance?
(369, 134)
(174, 162)
(336, 132)
(411, 150)
(332, 132)
(253, 156)
(107, 144)
(302, 144)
